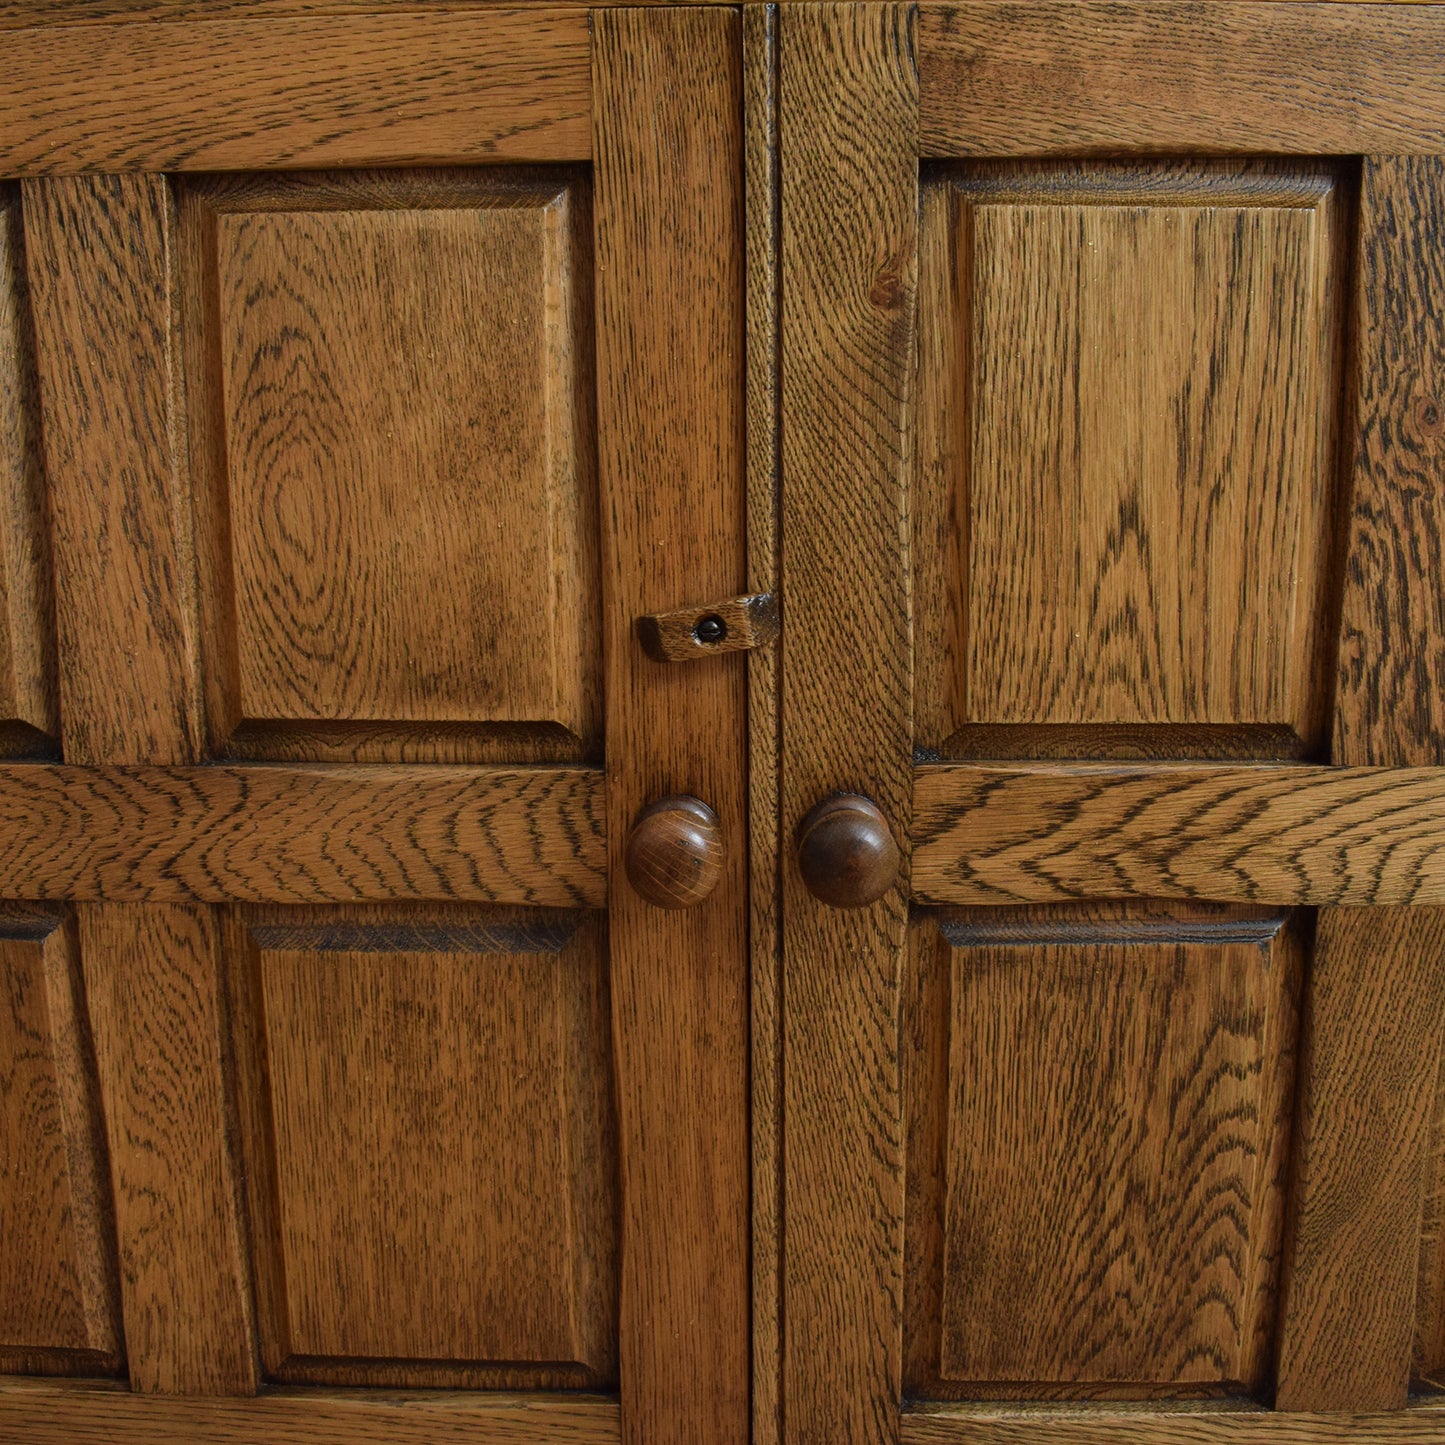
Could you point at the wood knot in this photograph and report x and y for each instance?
(886, 292)
(1426, 415)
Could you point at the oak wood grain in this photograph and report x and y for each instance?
(989, 833)
(1056, 77)
(436, 564)
(58, 1286)
(303, 834)
(306, 90)
(1077, 477)
(153, 980)
(425, 1100)
(51, 1414)
(668, 157)
(1372, 1060)
(100, 252)
(1182, 1425)
(760, 184)
(1119, 1091)
(849, 177)
(27, 644)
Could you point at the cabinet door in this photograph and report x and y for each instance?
(359, 401)
(1111, 539)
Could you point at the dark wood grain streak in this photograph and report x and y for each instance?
(285, 92)
(53, 1414)
(989, 833)
(298, 834)
(849, 180)
(1377, 998)
(1047, 78)
(670, 365)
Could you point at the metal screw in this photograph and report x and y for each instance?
(710, 630)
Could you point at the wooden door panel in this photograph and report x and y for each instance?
(1128, 399)
(1119, 1082)
(397, 511)
(429, 1135)
(28, 717)
(1169, 431)
(59, 1295)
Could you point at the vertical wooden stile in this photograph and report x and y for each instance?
(848, 101)
(1377, 994)
(668, 166)
(101, 263)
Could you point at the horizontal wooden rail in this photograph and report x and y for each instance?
(60, 1413)
(297, 91)
(1047, 78)
(303, 834)
(1044, 833)
(1194, 1424)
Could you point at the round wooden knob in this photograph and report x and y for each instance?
(675, 852)
(846, 852)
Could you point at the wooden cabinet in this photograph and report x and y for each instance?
(472, 972)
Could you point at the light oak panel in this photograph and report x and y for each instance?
(303, 834)
(1180, 390)
(668, 144)
(1125, 1198)
(1047, 78)
(428, 1112)
(399, 435)
(1052, 832)
(59, 1297)
(47, 1414)
(29, 719)
(224, 94)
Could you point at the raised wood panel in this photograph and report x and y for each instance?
(427, 1109)
(1128, 393)
(1118, 1092)
(399, 525)
(303, 834)
(227, 93)
(59, 1296)
(29, 720)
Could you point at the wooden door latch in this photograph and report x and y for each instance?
(688, 633)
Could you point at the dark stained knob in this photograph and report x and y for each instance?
(846, 852)
(675, 852)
